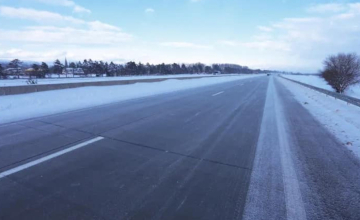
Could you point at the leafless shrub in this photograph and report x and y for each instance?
(31, 81)
(342, 71)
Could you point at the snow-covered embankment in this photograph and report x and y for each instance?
(317, 81)
(340, 118)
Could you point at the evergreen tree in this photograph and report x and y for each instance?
(85, 66)
(97, 67)
(102, 67)
(112, 69)
(44, 69)
(36, 70)
(106, 68)
(58, 67)
(141, 69)
(91, 66)
(2, 73)
(130, 68)
(119, 69)
(208, 69)
(184, 69)
(16, 64)
(72, 65)
(216, 67)
(200, 67)
(175, 68)
(162, 68)
(149, 69)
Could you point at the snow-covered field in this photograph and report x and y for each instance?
(341, 119)
(316, 80)
(24, 106)
(21, 82)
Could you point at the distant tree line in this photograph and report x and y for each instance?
(39, 70)
(132, 68)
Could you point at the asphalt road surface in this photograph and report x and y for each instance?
(239, 150)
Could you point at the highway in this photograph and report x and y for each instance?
(244, 149)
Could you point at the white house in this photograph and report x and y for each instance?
(13, 71)
(75, 71)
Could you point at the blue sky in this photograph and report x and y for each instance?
(293, 35)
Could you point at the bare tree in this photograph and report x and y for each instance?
(342, 71)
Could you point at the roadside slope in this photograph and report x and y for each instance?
(318, 81)
(340, 118)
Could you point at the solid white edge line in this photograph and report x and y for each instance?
(48, 157)
(218, 93)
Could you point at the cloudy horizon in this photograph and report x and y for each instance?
(296, 36)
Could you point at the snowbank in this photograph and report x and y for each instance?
(353, 91)
(24, 106)
(341, 119)
(316, 80)
(22, 82)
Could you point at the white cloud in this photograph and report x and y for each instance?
(149, 10)
(74, 53)
(38, 16)
(267, 45)
(97, 25)
(64, 35)
(229, 43)
(33, 55)
(324, 8)
(53, 18)
(60, 29)
(185, 45)
(263, 36)
(259, 45)
(79, 9)
(301, 44)
(264, 28)
(67, 3)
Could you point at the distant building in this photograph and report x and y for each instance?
(75, 71)
(29, 71)
(13, 71)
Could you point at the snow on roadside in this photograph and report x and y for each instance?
(317, 81)
(341, 119)
(24, 106)
(353, 91)
(314, 80)
(22, 82)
